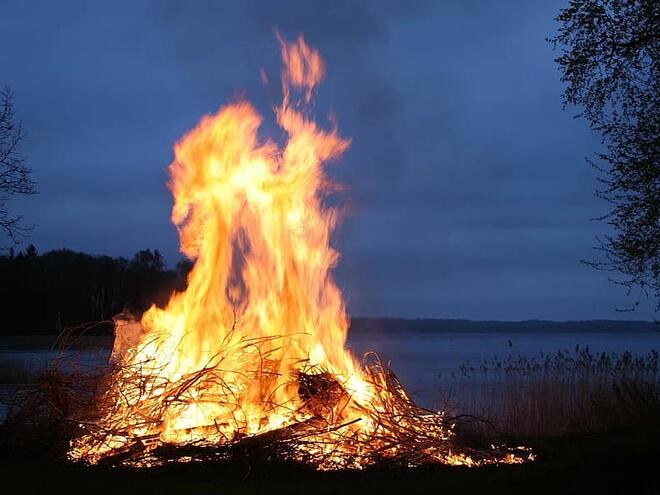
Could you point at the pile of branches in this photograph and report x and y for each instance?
(96, 422)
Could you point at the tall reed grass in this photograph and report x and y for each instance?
(566, 392)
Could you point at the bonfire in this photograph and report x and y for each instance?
(251, 357)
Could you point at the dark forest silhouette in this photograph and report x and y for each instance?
(44, 293)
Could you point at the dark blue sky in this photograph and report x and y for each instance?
(468, 189)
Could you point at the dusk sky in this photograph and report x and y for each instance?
(468, 192)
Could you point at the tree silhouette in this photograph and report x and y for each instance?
(610, 62)
(31, 251)
(39, 293)
(146, 260)
(15, 176)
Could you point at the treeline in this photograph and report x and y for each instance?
(45, 293)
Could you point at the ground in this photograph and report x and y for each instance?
(621, 462)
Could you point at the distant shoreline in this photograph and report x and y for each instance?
(374, 325)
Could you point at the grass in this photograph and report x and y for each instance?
(563, 393)
(622, 462)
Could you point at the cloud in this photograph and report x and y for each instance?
(466, 183)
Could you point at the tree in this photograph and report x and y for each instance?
(610, 62)
(31, 251)
(146, 260)
(15, 176)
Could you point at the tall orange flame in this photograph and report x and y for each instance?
(227, 357)
(250, 214)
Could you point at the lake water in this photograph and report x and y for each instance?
(423, 361)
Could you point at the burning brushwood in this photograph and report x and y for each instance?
(327, 428)
(251, 356)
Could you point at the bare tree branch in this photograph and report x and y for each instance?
(15, 176)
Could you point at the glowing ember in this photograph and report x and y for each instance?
(254, 348)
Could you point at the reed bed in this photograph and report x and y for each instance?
(555, 394)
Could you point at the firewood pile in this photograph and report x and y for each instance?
(107, 425)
